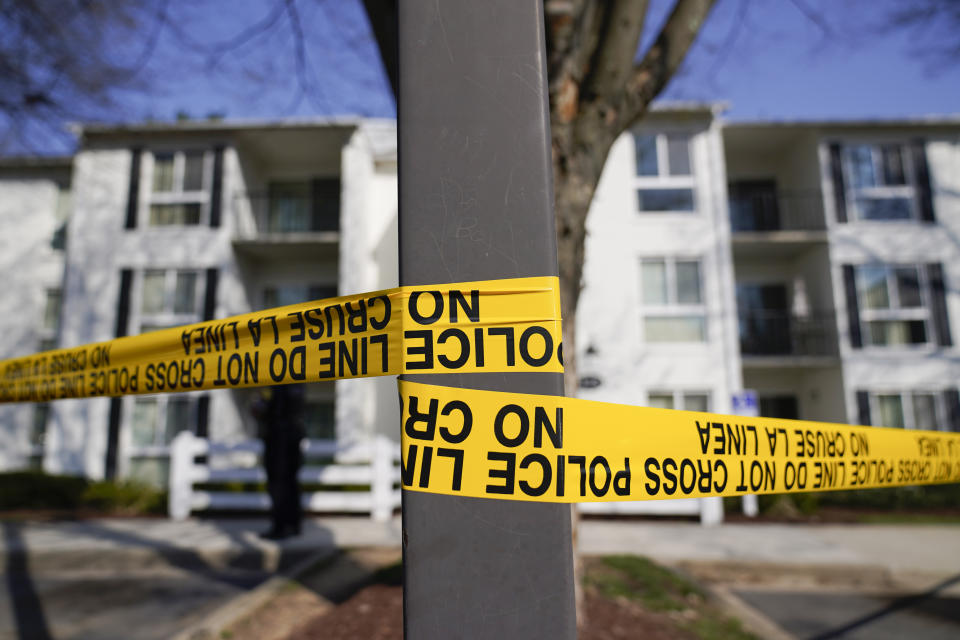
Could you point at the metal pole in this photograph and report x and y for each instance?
(476, 203)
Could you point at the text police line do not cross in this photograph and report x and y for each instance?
(419, 344)
(530, 447)
(513, 425)
(492, 326)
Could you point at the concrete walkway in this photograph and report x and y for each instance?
(142, 543)
(93, 578)
(933, 549)
(224, 543)
(152, 579)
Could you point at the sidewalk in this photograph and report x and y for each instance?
(155, 578)
(120, 544)
(933, 549)
(225, 543)
(152, 579)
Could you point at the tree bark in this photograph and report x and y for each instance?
(597, 93)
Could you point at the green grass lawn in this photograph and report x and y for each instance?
(660, 590)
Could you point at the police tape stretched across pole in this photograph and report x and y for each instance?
(491, 444)
(553, 449)
(497, 325)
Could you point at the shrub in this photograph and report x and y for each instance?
(915, 498)
(125, 498)
(36, 490)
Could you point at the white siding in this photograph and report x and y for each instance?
(30, 266)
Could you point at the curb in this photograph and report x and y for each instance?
(752, 620)
(152, 559)
(723, 597)
(210, 627)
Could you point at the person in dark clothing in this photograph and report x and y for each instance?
(280, 417)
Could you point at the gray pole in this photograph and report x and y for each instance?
(476, 203)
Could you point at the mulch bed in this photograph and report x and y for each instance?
(375, 613)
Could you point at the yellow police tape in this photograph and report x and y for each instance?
(490, 444)
(496, 325)
(486, 444)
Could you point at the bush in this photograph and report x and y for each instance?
(934, 496)
(916, 498)
(36, 490)
(804, 503)
(125, 498)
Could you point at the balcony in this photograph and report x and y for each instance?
(271, 225)
(772, 210)
(770, 223)
(779, 338)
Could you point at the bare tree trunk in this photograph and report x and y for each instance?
(597, 93)
(574, 191)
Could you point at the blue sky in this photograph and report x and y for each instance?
(780, 64)
(767, 58)
(259, 79)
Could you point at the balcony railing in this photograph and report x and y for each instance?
(764, 211)
(291, 214)
(775, 333)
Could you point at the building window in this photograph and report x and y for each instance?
(781, 406)
(169, 298)
(879, 182)
(673, 308)
(51, 310)
(180, 194)
(319, 419)
(909, 410)
(155, 422)
(664, 172)
(686, 400)
(892, 305)
(287, 294)
(290, 207)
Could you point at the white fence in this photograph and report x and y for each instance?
(710, 510)
(372, 464)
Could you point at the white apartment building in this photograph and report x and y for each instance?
(817, 263)
(657, 322)
(34, 207)
(177, 223)
(846, 244)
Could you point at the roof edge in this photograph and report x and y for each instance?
(948, 119)
(36, 162)
(88, 129)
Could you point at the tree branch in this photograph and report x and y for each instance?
(662, 60)
(620, 35)
(572, 29)
(304, 72)
(812, 16)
